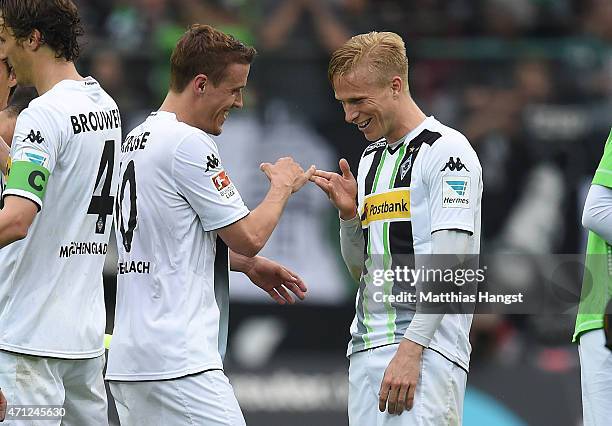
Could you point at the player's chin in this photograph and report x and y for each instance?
(216, 131)
(372, 136)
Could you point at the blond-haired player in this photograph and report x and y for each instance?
(418, 191)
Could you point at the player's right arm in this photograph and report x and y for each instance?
(15, 219)
(342, 192)
(36, 142)
(202, 181)
(248, 235)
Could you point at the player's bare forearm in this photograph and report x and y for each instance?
(249, 235)
(272, 277)
(15, 219)
(239, 262)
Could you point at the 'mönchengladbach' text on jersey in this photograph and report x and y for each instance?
(63, 158)
(173, 273)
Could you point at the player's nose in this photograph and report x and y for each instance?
(238, 102)
(350, 115)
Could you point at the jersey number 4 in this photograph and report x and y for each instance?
(129, 176)
(102, 204)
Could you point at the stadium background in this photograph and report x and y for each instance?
(527, 81)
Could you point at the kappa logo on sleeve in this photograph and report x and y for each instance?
(224, 185)
(35, 137)
(454, 165)
(212, 163)
(456, 192)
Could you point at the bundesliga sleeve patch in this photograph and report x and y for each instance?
(33, 156)
(223, 184)
(28, 177)
(456, 192)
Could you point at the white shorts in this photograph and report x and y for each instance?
(438, 399)
(75, 384)
(203, 399)
(595, 378)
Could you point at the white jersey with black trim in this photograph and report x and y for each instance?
(63, 158)
(171, 316)
(430, 181)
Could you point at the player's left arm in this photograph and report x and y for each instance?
(272, 277)
(454, 194)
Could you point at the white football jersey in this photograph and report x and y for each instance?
(171, 316)
(430, 181)
(63, 158)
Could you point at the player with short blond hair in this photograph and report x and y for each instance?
(418, 192)
(383, 52)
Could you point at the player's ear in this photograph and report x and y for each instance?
(397, 85)
(12, 78)
(199, 84)
(35, 40)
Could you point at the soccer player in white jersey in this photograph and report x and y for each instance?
(56, 220)
(177, 213)
(418, 192)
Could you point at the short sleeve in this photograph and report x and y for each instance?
(201, 179)
(603, 174)
(36, 144)
(452, 175)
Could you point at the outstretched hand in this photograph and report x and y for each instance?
(287, 173)
(340, 189)
(276, 280)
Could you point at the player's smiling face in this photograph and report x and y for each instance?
(219, 100)
(14, 53)
(368, 103)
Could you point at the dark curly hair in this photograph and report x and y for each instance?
(205, 50)
(57, 20)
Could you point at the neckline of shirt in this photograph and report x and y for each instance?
(70, 82)
(392, 147)
(163, 114)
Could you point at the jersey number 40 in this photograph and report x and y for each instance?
(127, 233)
(102, 204)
